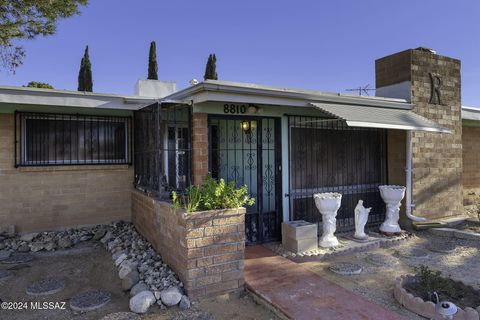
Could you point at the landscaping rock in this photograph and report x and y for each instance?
(130, 280)
(49, 246)
(139, 287)
(89, 300)
(28, 236)
(171, 296)
(184, 303)
(37, 246)
(99, 234)
(382, 260)
(65, 243)
(120, 259)
(141, 302)
(46, 287)
(108, 236)
(23, 247)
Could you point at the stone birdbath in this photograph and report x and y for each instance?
(392, 195)
(328, 204)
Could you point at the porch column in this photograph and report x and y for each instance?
(199, 147)
(432, 83)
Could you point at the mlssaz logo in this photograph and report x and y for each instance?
(435, 85)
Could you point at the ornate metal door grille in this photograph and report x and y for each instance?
(246, 150)
(328, 156)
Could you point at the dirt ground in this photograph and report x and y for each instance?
(376, 282)
(89, 267)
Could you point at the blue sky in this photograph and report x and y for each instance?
(325, 45)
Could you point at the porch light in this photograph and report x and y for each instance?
(245, 125)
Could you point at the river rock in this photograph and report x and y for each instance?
(23, 247)
(184, 303)
(99, 234)
(120, 259)
(139, 287)
(171, 296)
(37, 246)
(130, 280)
(28, 236)
(141, 302)
(65, 242)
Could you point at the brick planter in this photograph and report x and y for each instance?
(427, 308)
(206, 249)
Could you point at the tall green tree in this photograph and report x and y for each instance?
(211, 68)
(85, 82)
(152, 62)
(26, 19)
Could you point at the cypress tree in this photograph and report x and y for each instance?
(211, 68)
(85, 82)
(152, 62)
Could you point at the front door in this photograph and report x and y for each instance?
(246, 150)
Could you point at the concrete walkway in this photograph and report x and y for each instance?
(301, 294)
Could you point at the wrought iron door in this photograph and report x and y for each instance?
(329, 156)
(246, 150)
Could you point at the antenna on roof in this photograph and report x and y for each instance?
(362, 90)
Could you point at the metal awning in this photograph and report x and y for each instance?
(376, 117)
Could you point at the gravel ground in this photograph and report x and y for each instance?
(376, 282)
(89, 266)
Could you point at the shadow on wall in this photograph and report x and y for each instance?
(449, 181)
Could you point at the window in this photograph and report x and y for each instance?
(63, 139)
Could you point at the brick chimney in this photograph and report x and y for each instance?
(432, 83)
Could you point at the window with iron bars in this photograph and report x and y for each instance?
(162, 149)
(46, 139)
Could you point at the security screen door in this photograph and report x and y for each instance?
(246, 150)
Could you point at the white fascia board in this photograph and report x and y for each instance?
(288, 95)
(242, 98)
(28, 97)
(395, 126)
(469, 113)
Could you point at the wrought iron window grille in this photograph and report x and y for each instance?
(163, 149)
(53, 139)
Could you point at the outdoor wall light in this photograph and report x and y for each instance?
(245, 125)
(252, 109)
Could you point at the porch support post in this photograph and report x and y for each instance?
(200, 147)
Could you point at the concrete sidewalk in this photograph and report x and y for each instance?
(301, 294)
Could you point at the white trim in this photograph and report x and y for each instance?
(395, 126)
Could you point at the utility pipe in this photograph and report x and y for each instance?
(408, 170)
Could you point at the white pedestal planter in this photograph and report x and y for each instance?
(328, 205)
(392, 196)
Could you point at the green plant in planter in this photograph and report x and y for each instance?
(213, 195)
(431, 281)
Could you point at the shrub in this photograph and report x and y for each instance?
(213, 195)
(431, 281)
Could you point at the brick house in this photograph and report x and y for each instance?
(70, 158)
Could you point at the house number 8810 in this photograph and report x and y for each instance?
(234, 108)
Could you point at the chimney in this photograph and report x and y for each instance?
(155, 88)
(431, 82)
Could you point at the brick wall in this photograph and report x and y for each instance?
(471, 164)
(200, 147)
(45, 198)
(206, 249)
(437, 158)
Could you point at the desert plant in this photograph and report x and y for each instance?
(213, 195)
(430, 281)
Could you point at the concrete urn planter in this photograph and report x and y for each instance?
(328, 204)
(392, 196)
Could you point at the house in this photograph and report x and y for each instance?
(74, 158)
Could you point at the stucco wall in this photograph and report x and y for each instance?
(44, 198)
(471, 164)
